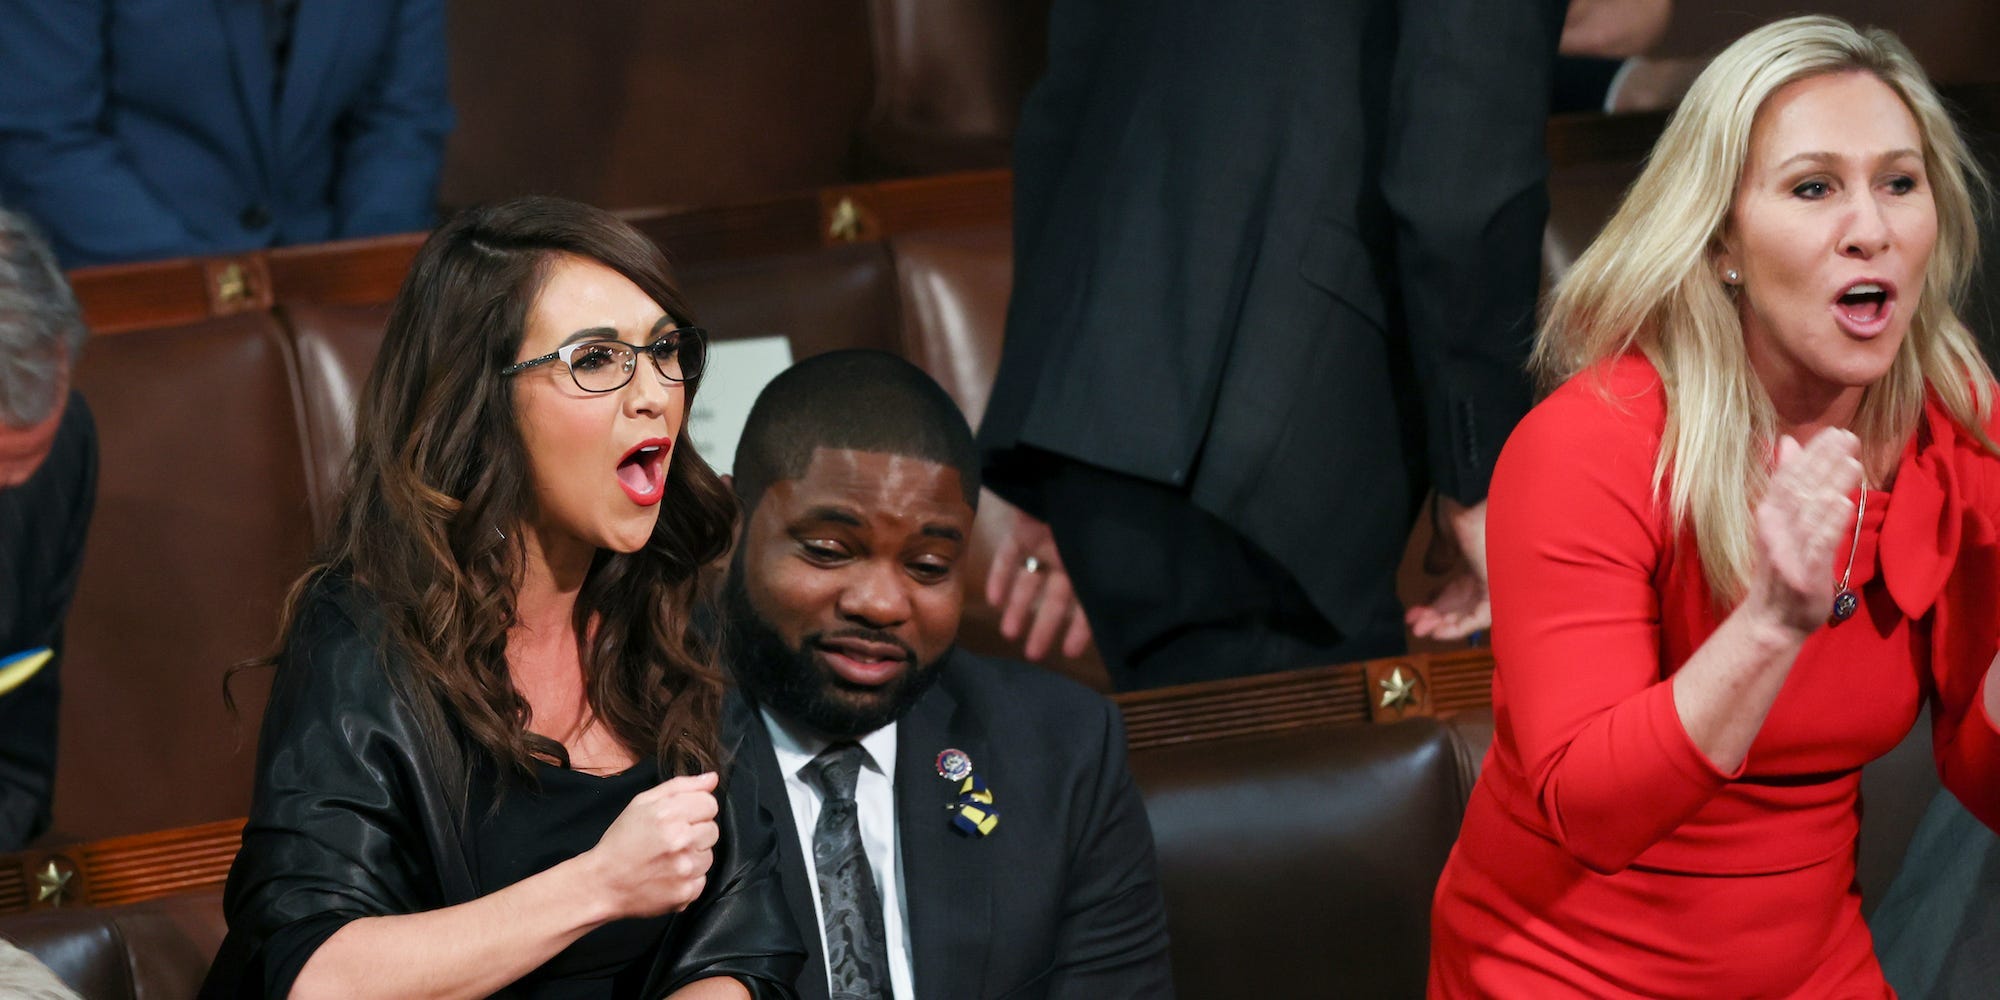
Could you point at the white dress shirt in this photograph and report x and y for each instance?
(875, 803)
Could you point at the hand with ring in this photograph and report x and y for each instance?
(1032, 590)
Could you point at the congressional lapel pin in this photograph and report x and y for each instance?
(972, 814)
(954, 765)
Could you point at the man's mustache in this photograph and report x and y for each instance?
(865, 635)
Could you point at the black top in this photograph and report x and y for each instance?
(354, 815)
(42, 527)
(535, 829)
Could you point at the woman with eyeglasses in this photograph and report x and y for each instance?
(489, 761)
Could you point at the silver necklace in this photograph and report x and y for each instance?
(1844, 601)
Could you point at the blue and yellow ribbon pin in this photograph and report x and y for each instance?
(973, 814)
(16, 669)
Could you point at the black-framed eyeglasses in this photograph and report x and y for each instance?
(607, 365)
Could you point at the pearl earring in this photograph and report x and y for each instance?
(1731, 276)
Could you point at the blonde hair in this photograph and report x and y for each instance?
(1648, 283)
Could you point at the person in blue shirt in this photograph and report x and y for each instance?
(140, 129)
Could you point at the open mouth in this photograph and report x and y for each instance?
(862, 662)
(1863, 308)
(642, 473)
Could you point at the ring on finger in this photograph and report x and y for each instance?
(1031, 565)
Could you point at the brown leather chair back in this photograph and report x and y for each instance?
(336, 347)
(1302, 863)
(156, 950)
(954, 285)
(203, 521)
(627, 103)
(949, 81)
(820, 300)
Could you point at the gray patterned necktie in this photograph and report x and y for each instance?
(856, 947)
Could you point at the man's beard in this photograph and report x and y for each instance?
(797, 685)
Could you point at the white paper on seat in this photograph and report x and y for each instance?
(736, 372)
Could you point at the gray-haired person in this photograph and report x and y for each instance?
(48, 481)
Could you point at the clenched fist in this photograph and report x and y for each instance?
(1805, 525)
(655, 857)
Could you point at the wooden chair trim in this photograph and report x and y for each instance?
(120, 869)
(882, 209)
(120, 298)
(1341, 694)
(145, 866)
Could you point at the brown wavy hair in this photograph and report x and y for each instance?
(439, 478)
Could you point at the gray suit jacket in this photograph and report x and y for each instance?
(1061, 900)
(1937, 930)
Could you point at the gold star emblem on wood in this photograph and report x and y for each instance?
(52, 883)
(1397, 689)
(846, 223)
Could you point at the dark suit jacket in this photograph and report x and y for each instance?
(1061, 900)
(42, 527)
(1283, 255)
(135, 129)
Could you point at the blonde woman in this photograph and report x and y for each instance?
(1750, 532)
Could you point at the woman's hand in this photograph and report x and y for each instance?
(655, 857)
(1804, 525)
(1462, 605)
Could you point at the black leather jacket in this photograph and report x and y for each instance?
(353, 818)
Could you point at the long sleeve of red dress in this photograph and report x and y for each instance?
(1602, 853)
(1575, 545)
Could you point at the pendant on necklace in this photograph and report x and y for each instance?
(1844, 602)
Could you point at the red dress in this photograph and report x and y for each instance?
(1603, 855)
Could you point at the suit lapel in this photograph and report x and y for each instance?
(750, 749)
(250, 57)
(947, 877)
(316, 31)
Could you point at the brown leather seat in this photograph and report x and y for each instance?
(1302, 863)
(1293, 859)
(820, 300)
(155, 950)
(953, 285)
(203, 518)
(336, 347)
(949, 82)
(624, 103)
